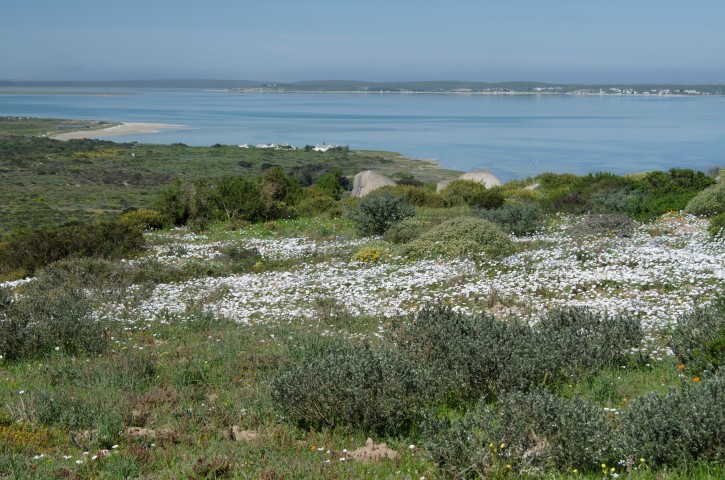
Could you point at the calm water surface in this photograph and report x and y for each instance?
(514, 136)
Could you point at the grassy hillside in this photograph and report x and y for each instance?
(49, 182)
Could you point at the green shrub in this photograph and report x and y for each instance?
(239, 199)
(698, 339)
(173, 203)
(418, 195)
(463, 236)
(710, 201)
(555, 181)
(42, 247)
(521, 434)
(53, 313)
(602, 224)
(717, 225)
(580, 340)
(671, 190)
(677, 427)
(314, 202)
(405, 231)
(479, 354)
(338, 382)
(467, 192)
(374, 214)
(142, 220)
(516, 218)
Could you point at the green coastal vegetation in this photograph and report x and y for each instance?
(169, 311)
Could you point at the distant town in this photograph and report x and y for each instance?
(410, 87)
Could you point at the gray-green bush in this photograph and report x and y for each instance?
(405, 231)
(519, 218)
(599, 224)
(698, 339)
(375, 213)
(677, 427)
(54, 311)
(582, 340)
(335, 382)
(463, 236)
(710, 201)
(528, 432)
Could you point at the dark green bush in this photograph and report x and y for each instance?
(528, 432)
(698, 339)
(336, 382)
(405, 231)
(671, 190)
(600, 224)
(463, 236)
(53, 312)
(581, 340)
(517, 218)
(677, 427)
(374, 214)
(239, 198)
(37, 248)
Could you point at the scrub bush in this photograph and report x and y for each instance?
(517, 218)
(580, 340)
(142, 220)
(54, 311)
(418, 195)
(677, 427)
(463, 236)
(717, 225)
(698, 339)
(340, 382)
(374, 214)
(710, 201)
(602, 224)
(37, 248)
(405, 231)
(521, 434)
(480, 354)
(467, 192)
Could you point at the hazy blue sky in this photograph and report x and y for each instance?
(286, 40)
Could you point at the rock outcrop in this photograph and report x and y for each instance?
(482, 176)
(369, 181)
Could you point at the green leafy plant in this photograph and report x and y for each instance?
(374, 214)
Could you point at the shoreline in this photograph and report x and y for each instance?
(126, 128)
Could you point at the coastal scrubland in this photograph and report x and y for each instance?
(240, 321)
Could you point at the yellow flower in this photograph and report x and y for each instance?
(696, 379)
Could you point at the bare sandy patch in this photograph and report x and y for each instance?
(122, 129)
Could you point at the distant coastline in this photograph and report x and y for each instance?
(448, 87)
(122, 129)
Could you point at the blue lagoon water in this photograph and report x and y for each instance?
(513, 136)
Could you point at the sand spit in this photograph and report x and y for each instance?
(122, 129)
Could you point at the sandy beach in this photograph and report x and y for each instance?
(122, 129)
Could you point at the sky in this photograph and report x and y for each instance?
(558, 41)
